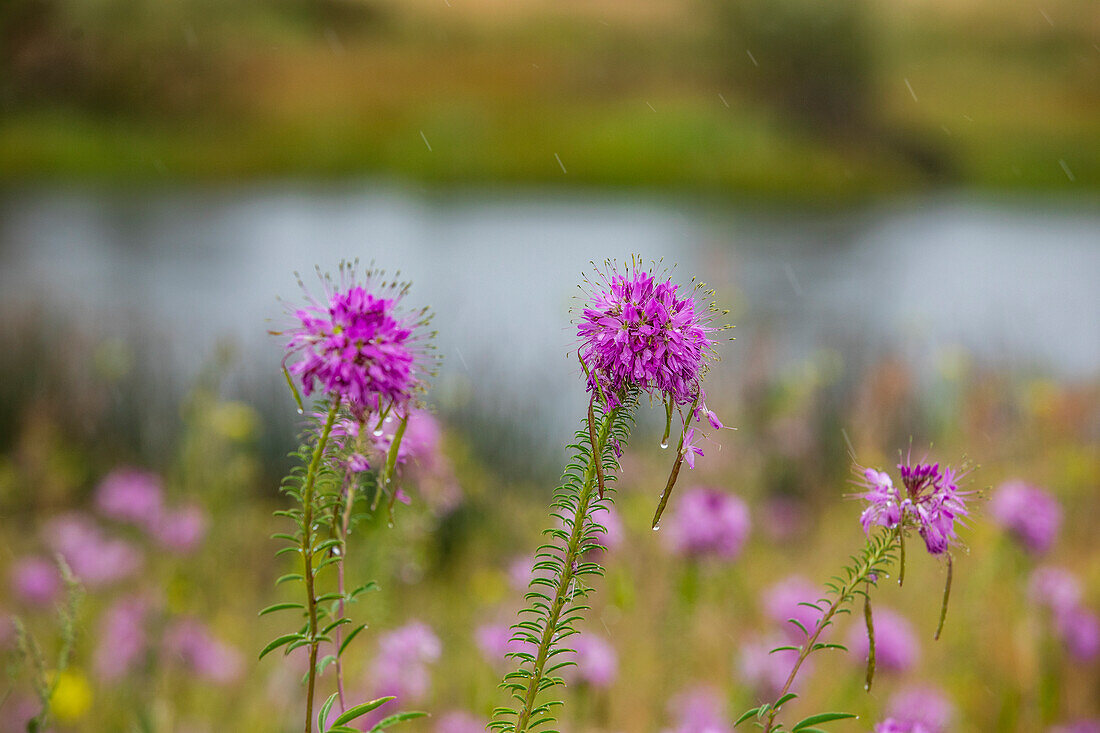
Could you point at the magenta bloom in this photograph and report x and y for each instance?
(896, 646)
(400, 667)
(95, 560)
(699, 711)
(766, 673)
(638, 332)
(1029, 513)
(708, 522)
(931, 500)
(785, 600)
(182, 530)
(131, 495)
(923, 706)
(357, 346)
(1079, 629)
(597, 664)
(459, 722)
(35, 581)
(190, 642)
(122, 641)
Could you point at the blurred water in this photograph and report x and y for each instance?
(1010, 281)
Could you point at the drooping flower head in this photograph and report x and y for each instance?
(356, 344)
(640, 331)
(929, 498)
(1030, 514)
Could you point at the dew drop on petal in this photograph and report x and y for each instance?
(378, 433)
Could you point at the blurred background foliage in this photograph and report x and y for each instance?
(785, 98)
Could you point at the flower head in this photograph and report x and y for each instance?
(929, 497)
(708, 522)
(638, 331)
(766, 672)
(95, 560)
(458, 721)
(357, 346)
(1079, 629)
(1056, 588)
(1029, 513)
(192, 643)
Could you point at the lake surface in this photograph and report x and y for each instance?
(1015, 282)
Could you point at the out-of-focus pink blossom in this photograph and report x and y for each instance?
(495, 642)
(922, 705)
(400, 667)
(458, 721)
(699, 711)
(784, 600)
(95, 560)
(35, 581)
(122, 641)
(1079, 629)
(1056, 588)
(896, 646)
(1032, 515)
(708, 522)
(190, 642)
(182, 530)
(131, 495)
(766, 673)
(597, 664)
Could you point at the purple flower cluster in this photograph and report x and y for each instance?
(1078, 726)
(495, 641)
(637, 332)
(931, 500)
(401, 666)
(356, 346)
(1078, 627)
(896, 645)
(708, 523)
(1029, 513)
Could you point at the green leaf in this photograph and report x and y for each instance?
(280, 607)
(820, 718)
(286, 639)
(786, 698)
(351, 635)
(361, 709)
(323, 714)
(400, 718)
(745, 716)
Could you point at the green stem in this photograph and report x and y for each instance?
(871, 560)
(565, 580)
(307, 556)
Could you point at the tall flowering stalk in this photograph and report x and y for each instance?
(366, 361)
(930, 503)
(639, 334)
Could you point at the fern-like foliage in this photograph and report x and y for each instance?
(854, 581)
(321, 513)
(558, 594)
